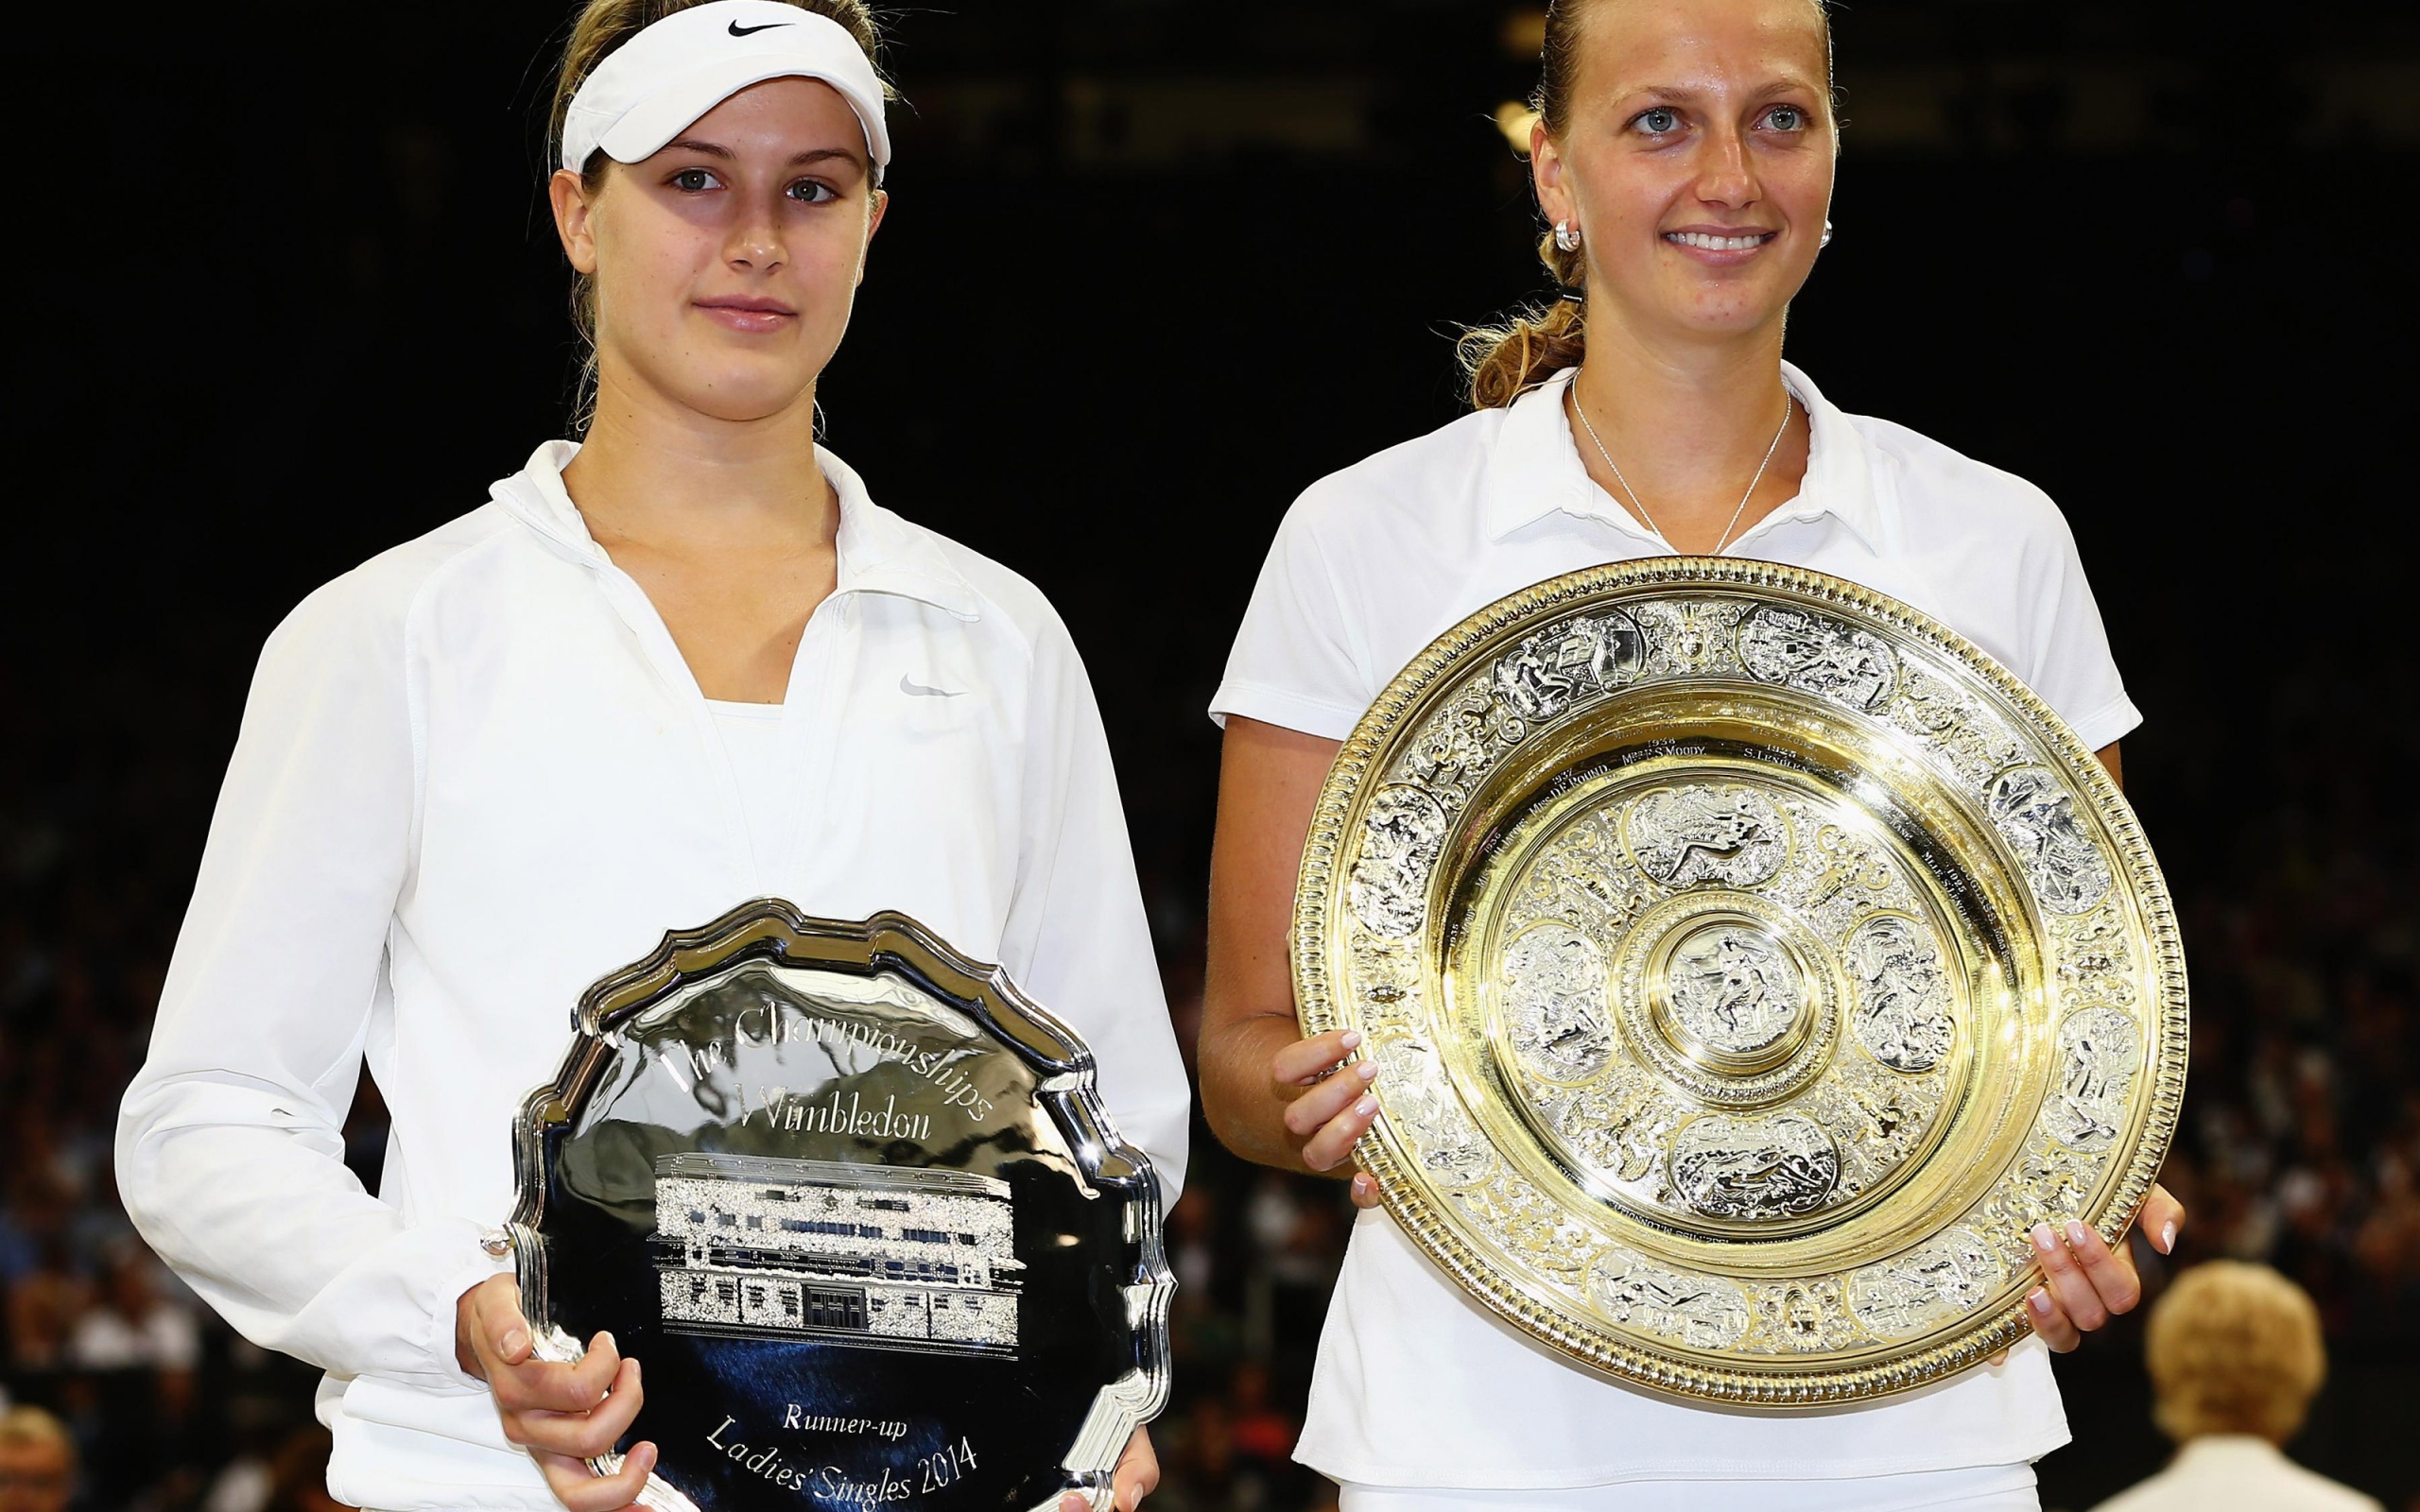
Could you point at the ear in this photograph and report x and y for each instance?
(574, 219)
(1547, 171)
(881, 202)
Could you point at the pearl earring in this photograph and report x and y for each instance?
(1566, 238)
(1827, 236)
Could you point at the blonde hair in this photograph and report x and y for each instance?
(2234, 1348)
(1503, 362)
(601, 26)
(31, 1427)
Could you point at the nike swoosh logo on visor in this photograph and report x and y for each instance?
(738, 30)
(919, 691)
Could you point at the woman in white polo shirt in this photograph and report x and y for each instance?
(684, 664)
(1685, 158)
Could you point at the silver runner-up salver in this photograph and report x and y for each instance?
(854, 1205)
(1750, 963)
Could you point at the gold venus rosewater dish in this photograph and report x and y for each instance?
(1750, 963)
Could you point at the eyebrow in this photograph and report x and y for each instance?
(1682, 94)
(715, 149)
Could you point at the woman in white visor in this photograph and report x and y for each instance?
(684, 664)
(1684, 159)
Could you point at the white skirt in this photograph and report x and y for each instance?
(1985, 1489)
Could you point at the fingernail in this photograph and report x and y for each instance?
(515, 1342)
(1365, 1106)
(2167, 1237)
(1369, 1070)
(2076, 1230)
(2040, 1302)
(1352, 1039)
(609, 1342)
(2043, 1239)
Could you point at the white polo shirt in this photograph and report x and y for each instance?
(1416, 1383)
(2237, 1473)
(474, 775)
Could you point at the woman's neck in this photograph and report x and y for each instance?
(658, 473)
(1686, 427)
(727, 526)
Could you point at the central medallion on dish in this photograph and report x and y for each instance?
(1728, 995)
(1725, 998)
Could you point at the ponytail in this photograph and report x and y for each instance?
(1503, 362)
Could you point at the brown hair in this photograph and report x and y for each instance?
(601, 26)
(2233, 1348)
(1503, 362)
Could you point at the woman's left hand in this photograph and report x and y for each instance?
(2084, 1282)
(1136, 1477)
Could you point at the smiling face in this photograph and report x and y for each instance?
(1694, 154)
(726, 265)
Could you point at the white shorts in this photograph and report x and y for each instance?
(1986, 1488)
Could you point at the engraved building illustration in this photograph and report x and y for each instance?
(874, 1256)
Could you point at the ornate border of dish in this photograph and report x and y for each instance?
(2075, 976)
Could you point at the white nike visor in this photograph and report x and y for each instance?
(652, 86)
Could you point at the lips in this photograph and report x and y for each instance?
(1715, 241)
(746, 301)
(748, 312)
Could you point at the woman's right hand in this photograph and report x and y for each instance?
(1334, 1107)
(565, 1413)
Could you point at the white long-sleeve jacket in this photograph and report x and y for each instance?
(474, 774)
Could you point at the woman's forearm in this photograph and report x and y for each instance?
(1243, 1105)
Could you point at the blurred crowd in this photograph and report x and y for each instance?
(2302, 1138)
(161, 1406)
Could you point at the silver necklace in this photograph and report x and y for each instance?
(1640, 504)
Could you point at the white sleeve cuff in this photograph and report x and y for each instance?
(1276, 706)
(477, 1265)
(2102, 728)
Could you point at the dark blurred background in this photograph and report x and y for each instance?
(282, 294)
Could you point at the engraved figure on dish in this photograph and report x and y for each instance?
(1754, 1169)
(1456, 748)
(1703, 833)
(1547, 671)
(1618, 1127)
(1701, 1312)
(869, 1256)
(2100, 1050)
(1400, 839)
(1808, 1316)
(1733, 989)
(2036, 814)
(1555, 989)
(1927, 1287)
(1902, 994)
(1817, 655)
(2094, 949)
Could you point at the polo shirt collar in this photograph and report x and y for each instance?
(1535, 470)
(878, 552)
(2233, 1454)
